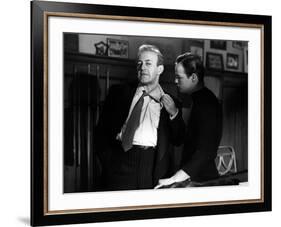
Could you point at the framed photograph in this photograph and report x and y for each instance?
(101, 48)
(218, 44)
(118, 48)
(232, 61)
(214, 61)
(70, 88)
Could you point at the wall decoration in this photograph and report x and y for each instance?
(118, 48)
(218, 44)
(214, 61)
(49, 205)
(101, 48)
(232, 61)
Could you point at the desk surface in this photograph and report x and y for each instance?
(231, 179)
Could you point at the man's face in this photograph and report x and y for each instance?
(148, 71)
(185, 84)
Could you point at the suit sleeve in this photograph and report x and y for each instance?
(208, 129)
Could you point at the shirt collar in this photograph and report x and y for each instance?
(155, 94)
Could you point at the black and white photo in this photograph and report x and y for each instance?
(137, 113)
(99, 98)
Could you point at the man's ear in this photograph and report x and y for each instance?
(194, 78)
(160, 69)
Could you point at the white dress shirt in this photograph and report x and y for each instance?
(146, 133)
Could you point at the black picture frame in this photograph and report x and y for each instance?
(101, 48)
(118, 48)
(40, 11)
(232, 61)
(214, 61)
(218, 44)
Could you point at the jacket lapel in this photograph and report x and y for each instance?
(128, 96)
(162, 137)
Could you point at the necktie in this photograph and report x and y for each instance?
(132, 124)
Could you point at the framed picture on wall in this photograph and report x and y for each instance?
(118, 48)
(214, 61)
(50, 21)
(232, 61)
(101, 48)
(218, 44)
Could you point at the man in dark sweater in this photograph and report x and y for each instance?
(203, 123)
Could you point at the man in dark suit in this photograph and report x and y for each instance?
(137, 127)
(203, 124)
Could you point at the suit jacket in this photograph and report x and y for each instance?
(115, 112)
(202, 136)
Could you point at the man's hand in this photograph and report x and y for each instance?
(179, 176)
(169, 104)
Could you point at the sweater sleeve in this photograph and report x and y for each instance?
(177, 125)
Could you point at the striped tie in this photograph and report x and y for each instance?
(132, 124)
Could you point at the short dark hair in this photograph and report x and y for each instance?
(192, 63)
(154, 49)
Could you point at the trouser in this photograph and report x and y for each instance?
(131, 170)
